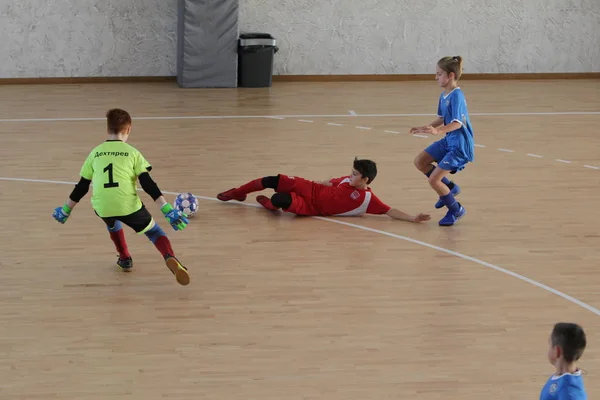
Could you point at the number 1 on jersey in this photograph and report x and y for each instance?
(111, 183)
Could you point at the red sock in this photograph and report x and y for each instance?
(163, 244)
(252, 186)
(118, 239)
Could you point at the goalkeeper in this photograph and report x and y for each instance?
(113, 167)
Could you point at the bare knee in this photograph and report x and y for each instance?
(423, 162)
(417, 161)
(434, 181)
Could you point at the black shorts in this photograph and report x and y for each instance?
(138, 221)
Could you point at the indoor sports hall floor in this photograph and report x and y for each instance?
(301, 308)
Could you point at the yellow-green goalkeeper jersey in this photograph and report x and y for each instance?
(113, 167)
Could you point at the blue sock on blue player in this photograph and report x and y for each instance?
(454, 191)
(454, 188)
(455, 210)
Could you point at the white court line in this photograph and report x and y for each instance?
(499, 114)
(476, 145)
(276, 117)
(384, 233)
(305, 120)
(183, 117)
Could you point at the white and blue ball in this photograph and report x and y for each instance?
(187, 203)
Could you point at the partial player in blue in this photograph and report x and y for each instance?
(566, 345)
(456, 149)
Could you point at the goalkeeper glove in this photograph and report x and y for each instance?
(176, 218)
(61, 214)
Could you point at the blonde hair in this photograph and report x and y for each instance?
(451, 64)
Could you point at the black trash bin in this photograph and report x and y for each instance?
(255, 59)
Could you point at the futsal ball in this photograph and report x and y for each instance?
(187, 203)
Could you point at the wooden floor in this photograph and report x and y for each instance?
(300, 308)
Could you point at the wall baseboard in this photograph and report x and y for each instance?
(85, 79)
(305, 78)
(426, 77)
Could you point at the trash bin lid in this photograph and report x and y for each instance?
(256, 39)
(257, 42)
(255, 35)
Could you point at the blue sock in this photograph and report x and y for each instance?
(154, 233)
(116, 228)
(450, 202)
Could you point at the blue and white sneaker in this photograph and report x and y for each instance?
(452, 218)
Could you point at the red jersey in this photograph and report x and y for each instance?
(342, 200)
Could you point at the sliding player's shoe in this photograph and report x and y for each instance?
(231, 194)
(180, 272)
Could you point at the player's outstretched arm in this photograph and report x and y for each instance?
(423, 129)
(401, 215)
(61, 214)
(432, 130)
(176, 218)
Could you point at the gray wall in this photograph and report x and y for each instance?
(70, 38)
(407, 36)
(56, 38)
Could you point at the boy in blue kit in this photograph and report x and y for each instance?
(456, 149)
(566, 345)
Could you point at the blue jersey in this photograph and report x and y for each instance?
(453, 107)
(564, 387)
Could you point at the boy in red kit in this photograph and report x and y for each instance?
(344, 196)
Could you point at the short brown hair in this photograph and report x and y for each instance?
(117, 120)
(451, 64)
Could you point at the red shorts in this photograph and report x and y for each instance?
(302, 192)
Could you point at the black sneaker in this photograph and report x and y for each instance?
(126, 264)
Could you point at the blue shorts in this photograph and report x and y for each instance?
(446, 158)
